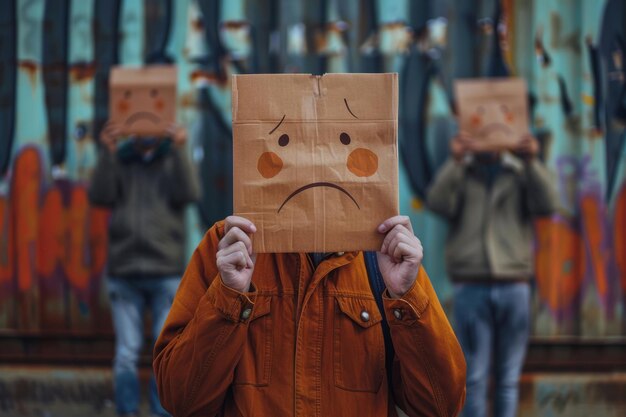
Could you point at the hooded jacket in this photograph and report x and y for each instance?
(491, 216)
(304, 341)
(148, 199)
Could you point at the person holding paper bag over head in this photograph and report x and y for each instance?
(285, 309)
(489, 191)
(145, 176)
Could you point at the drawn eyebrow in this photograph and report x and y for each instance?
(348, 107)
(281, 120)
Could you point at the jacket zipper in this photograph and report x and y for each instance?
(298, 316)
(297, 311)
(139, 196)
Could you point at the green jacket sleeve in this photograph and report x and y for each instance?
(185, 186)
(445, 194)
(103, 189)
(541, 195)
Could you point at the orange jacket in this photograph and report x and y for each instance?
(298, 344)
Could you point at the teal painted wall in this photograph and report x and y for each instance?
(579, 292)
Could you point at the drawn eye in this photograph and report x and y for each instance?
(283, 140)
(127, 94)
(154, 92)
(344, 138)
(504, 108)
(480, 110)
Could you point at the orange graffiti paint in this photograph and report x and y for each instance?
(77, 268)
(6, 241)
(51, 243)
(52, 232)
(594, 233)
(619, 238)
(559, 263)
(25, 193)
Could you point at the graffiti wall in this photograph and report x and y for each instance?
(55, 58)
(576, 71)
(54, 251)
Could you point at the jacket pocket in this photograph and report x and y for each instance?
(359, 348)
(255, 365)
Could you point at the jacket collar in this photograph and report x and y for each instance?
(511, 161)
(508, 160)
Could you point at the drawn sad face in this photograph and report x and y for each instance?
(497, 123)
(494, 111)
(142, 100)
(360, 162)
(141, 108)
(316, 157)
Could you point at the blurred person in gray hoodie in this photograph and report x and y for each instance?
(489, 200)
(147, 182)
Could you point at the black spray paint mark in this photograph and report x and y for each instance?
(106, 47)
(8, 81)
(55, 52)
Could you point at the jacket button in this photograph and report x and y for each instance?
(397, 313)
(246, 313)
(365, 316)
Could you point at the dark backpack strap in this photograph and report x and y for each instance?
(378, 286)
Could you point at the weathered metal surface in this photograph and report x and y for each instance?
(581, 274)
(55, 71)
(8, 72)
(74, 392)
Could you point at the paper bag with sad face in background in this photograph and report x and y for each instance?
(142, 100)
(315, 159)
(493, 111)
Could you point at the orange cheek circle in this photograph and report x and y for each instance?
(269, 164)
(159, 104)
(362, 162)
(476, 121)
(123, 106)
(510, 117)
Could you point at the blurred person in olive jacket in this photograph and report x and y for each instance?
(147, 182)
(489, 201)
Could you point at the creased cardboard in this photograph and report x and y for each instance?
(143, 100)
(494, 111)
(315, 159)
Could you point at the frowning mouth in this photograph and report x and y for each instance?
(142, 115)
(318, 184)
(493, 127)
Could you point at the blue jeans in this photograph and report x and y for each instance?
(128, 299)
(492, 322)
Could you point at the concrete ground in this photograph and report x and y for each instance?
(37, 391)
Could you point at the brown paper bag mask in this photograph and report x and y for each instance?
(494, 111)
(143, 100)
(315, 159)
